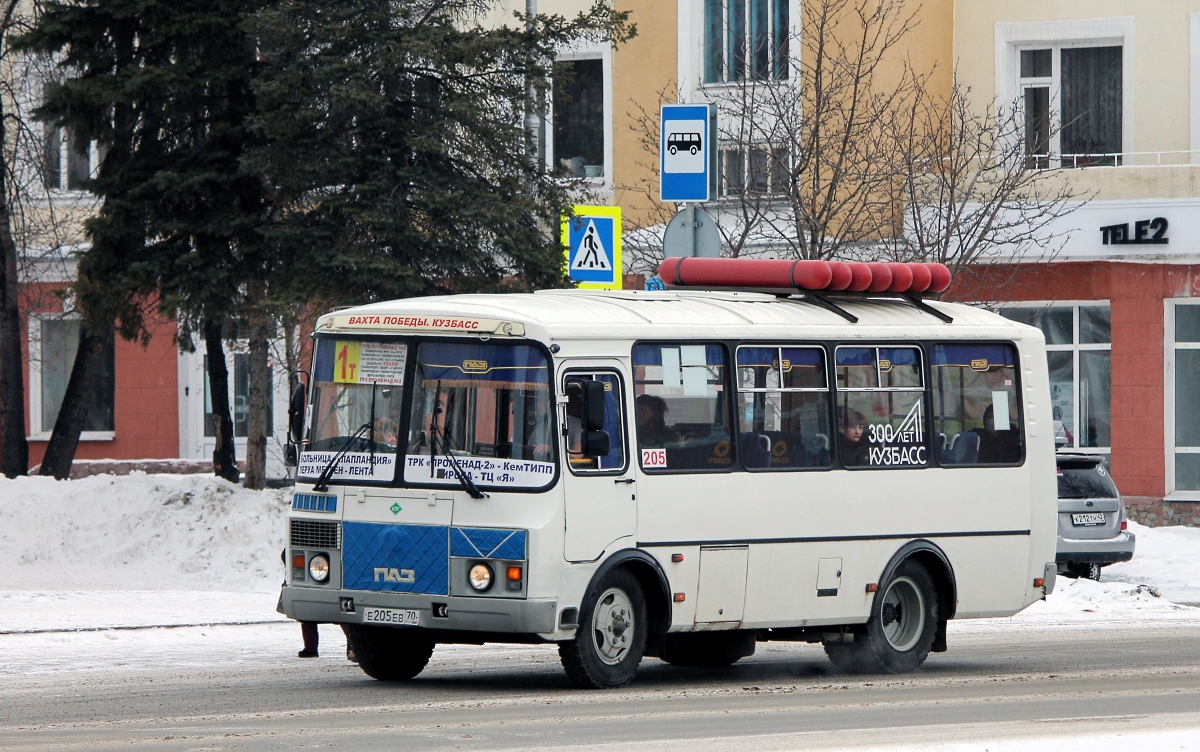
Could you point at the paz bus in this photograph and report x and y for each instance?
(766, 450)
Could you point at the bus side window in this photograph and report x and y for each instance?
(680, 409)
(880, 407)
(782, 407)
(976, 404)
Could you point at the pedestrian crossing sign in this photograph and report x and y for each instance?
(591, 236)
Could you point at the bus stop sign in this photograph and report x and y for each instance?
(685, 165)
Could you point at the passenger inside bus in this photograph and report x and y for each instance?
(998, 446)
(651, 415)
(851, 447)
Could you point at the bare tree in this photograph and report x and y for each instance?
(808, 160)
(972, 192)
(38, 233)
(851, 156)
(807, 165)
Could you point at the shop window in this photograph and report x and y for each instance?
(1079, 354)
(577, 146)
(1185, 394)
(1072, 102)
(58, 343)
(745, 39)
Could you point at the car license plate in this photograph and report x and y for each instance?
(1087, 518)
(399, 616)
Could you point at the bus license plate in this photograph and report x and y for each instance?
(1087, 518)
(399, 616)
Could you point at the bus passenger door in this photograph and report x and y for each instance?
(601, 493)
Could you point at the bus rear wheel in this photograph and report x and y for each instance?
(390, 654)
(611, 637)
(708, 649)
(903, 624)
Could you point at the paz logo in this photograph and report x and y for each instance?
(396, 508)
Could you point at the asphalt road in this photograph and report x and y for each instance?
(995, 685)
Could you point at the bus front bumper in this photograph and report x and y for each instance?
(524, 616)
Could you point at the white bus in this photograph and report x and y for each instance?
(678, 474)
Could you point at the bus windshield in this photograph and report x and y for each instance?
(486, 409)
(355, 408)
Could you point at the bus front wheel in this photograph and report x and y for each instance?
(390, 654)
(611, 637)
(901, 630)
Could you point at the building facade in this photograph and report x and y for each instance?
(1110, 96)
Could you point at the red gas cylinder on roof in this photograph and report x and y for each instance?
(817, 276)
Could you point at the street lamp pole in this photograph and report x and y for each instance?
(532, 121)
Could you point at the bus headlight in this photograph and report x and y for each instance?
(480, 577)
(318, 568)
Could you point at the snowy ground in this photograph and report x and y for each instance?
(90, 564)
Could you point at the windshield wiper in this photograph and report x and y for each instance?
(322, 483)
(463, 479)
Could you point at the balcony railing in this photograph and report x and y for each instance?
(1121, 159)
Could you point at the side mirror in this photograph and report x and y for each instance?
(291, 457)
(296, 413)
(593, 408)
(595, 443)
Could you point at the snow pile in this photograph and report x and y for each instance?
(1167, 558)
(140, 532)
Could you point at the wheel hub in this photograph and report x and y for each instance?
(613, 626)
(902, 615)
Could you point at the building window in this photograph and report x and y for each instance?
(1184, 391)
(241, 398)
(58, 342)
(68, 161)
(745, 39)
(577, 143)
(1072, 103)
(1079, 354)
(757, 170)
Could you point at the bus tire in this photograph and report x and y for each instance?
(611, 637)
(898, 636)
(389, 654)
(708, 649)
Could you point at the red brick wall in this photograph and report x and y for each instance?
(1136, 293)
(146, 400)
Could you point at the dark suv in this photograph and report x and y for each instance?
(1091, 518)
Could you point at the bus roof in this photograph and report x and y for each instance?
(627, 314)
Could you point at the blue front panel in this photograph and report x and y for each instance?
(396, 558)
(487, 544)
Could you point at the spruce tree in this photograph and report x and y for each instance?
(392, 136)
(163, 87)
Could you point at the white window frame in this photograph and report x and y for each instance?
(38, 432)
(1011, 38)
(1194, 88)
(1169, 348)
(1075, 348)
(604, 53)
(64, 165)
(690, 41)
